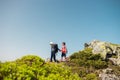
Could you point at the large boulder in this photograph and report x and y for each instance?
(106, 49)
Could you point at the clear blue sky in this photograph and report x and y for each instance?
(27, 26)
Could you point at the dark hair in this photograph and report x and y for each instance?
(63, 43)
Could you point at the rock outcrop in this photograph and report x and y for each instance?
(106, 74)
(106, 49)
(115, 61)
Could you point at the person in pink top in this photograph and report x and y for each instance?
(63, 51)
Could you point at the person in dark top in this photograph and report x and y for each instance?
(54, 50)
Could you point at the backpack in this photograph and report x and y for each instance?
(56, 48)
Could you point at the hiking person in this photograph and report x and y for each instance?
(63, 51)
(54, 50)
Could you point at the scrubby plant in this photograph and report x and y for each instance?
(34, 68)
(91, 76)
(87, 59)
(85, 62)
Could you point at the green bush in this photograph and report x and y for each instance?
(87, 59)
(100, 64)
(34, 68)
(91, 76)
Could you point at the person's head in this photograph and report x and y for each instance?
(63, 43)
(51, 43)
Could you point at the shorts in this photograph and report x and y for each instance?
(63, 55)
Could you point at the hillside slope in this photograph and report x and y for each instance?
(97, 61)
(32, 67)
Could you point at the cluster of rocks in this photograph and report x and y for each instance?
(106, 49)
(107, 74)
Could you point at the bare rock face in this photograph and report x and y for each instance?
(115, 61)
(106, 74)
(106, 49)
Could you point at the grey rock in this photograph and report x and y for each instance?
(115, 61)
(106, 74)
(106, 49)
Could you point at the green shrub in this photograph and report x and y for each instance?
(91, 76)
(34, 68)
(100, 64)
(86, 64)
(87, 59)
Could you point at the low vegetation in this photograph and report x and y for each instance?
(34, 68)
(82, 65)
(86, 64)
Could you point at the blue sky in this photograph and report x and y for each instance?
(27, 26)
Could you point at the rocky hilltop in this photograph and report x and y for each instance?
(97, 61)
(106, 49)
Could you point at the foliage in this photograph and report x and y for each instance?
(91, 76)
(86, 64)
(83, 65)
(115, 44)
(34, 68)
(87, 59)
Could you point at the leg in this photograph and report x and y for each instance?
(54, 56)
(65, 58)
(62, 57)
(51, 57)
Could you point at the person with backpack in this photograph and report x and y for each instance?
(63, 51)
(54, 50)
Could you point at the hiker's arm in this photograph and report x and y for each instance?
(59, 49)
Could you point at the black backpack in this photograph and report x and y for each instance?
(56, 48)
